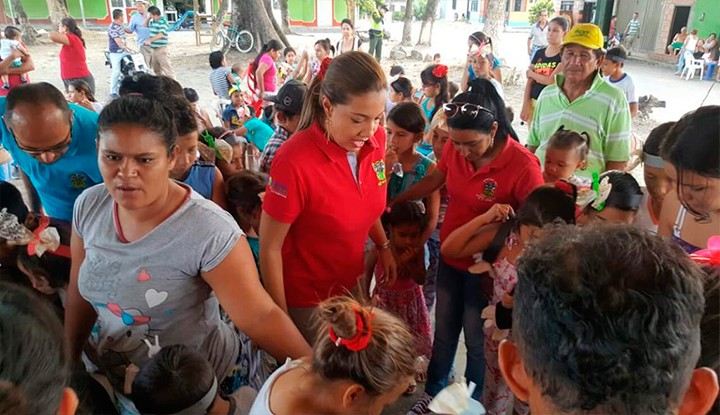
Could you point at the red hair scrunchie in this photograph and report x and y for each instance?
(362, 336)
(440, 71)
(324, 65)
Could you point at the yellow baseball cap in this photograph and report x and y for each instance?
(585, 34)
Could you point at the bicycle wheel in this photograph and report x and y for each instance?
(244, 41)
(218, 41)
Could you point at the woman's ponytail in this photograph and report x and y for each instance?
(312, 109)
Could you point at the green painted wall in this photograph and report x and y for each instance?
(711, 20)
(302, 10)
(340, 11)
(37, 9)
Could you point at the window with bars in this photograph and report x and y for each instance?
(518, 5)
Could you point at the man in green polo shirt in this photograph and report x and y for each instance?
(581, 101)
(158, 42)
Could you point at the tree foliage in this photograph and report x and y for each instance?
(534, 12)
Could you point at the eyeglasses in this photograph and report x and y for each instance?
(465, 109)
(569, 55)
(56, 150)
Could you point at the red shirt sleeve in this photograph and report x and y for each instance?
(286, 194)
(530, 179)
(448, 152)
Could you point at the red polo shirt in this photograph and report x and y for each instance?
(312, 188)
(507, 179)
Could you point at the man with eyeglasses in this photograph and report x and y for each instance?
(582, 101)
(53, 143)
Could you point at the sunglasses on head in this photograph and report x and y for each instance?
(465, 109)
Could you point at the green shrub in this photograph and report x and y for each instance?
(534, 12)
(419, 9)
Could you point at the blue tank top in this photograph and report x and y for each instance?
(201, 178)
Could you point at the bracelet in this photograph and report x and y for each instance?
(385, 246)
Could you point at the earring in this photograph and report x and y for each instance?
(328, 124)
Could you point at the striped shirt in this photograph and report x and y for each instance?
(633, 28)
(158, 26)
(219, 82)
(602, 112)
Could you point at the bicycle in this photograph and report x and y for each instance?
(241, 40)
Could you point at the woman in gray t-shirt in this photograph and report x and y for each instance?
(148, 253)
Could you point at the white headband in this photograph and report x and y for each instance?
(653, 161)
(202, 406)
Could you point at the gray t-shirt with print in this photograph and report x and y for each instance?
(152, 286)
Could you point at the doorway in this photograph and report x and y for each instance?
(681, 15)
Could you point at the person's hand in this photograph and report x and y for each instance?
(305, 54)
(499, 213)
(525, 113)
(391, 158)
(389, 266)
(529, 51)
(508, 301)
(147, 43)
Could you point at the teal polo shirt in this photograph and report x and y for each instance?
(58, 184)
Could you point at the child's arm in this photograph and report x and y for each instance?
(415, 267)
(432, 207)
(546, 79)
(218, 190)
(22, 49)
(527, 97)
(474, 237)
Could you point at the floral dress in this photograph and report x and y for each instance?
(497, 396)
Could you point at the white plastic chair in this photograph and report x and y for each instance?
(692, 65)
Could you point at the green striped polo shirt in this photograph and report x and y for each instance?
(633, 27)
(158, 26)
(602, 112)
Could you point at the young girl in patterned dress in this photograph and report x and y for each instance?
(545, 205)
(404, 223)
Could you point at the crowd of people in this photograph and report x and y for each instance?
(289, 260)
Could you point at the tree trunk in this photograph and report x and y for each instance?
(279, 34)
(494, 21)
(218, 21)
(285, 17)
(29, 33)
(351, 7)
(407, 25)
(427, 23)
(58, 11)
(252, 15)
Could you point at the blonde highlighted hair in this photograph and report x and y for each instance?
(388, 359)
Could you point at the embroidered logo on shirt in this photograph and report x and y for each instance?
(78, 180)
(379, 168)
(488, 193)
(277, 188)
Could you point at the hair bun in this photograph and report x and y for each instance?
(340, 314)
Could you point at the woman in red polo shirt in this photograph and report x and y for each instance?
(482, 164)
(327, 191)
(73, 64)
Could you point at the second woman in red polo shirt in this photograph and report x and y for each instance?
(482, 164)
(327, 191)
